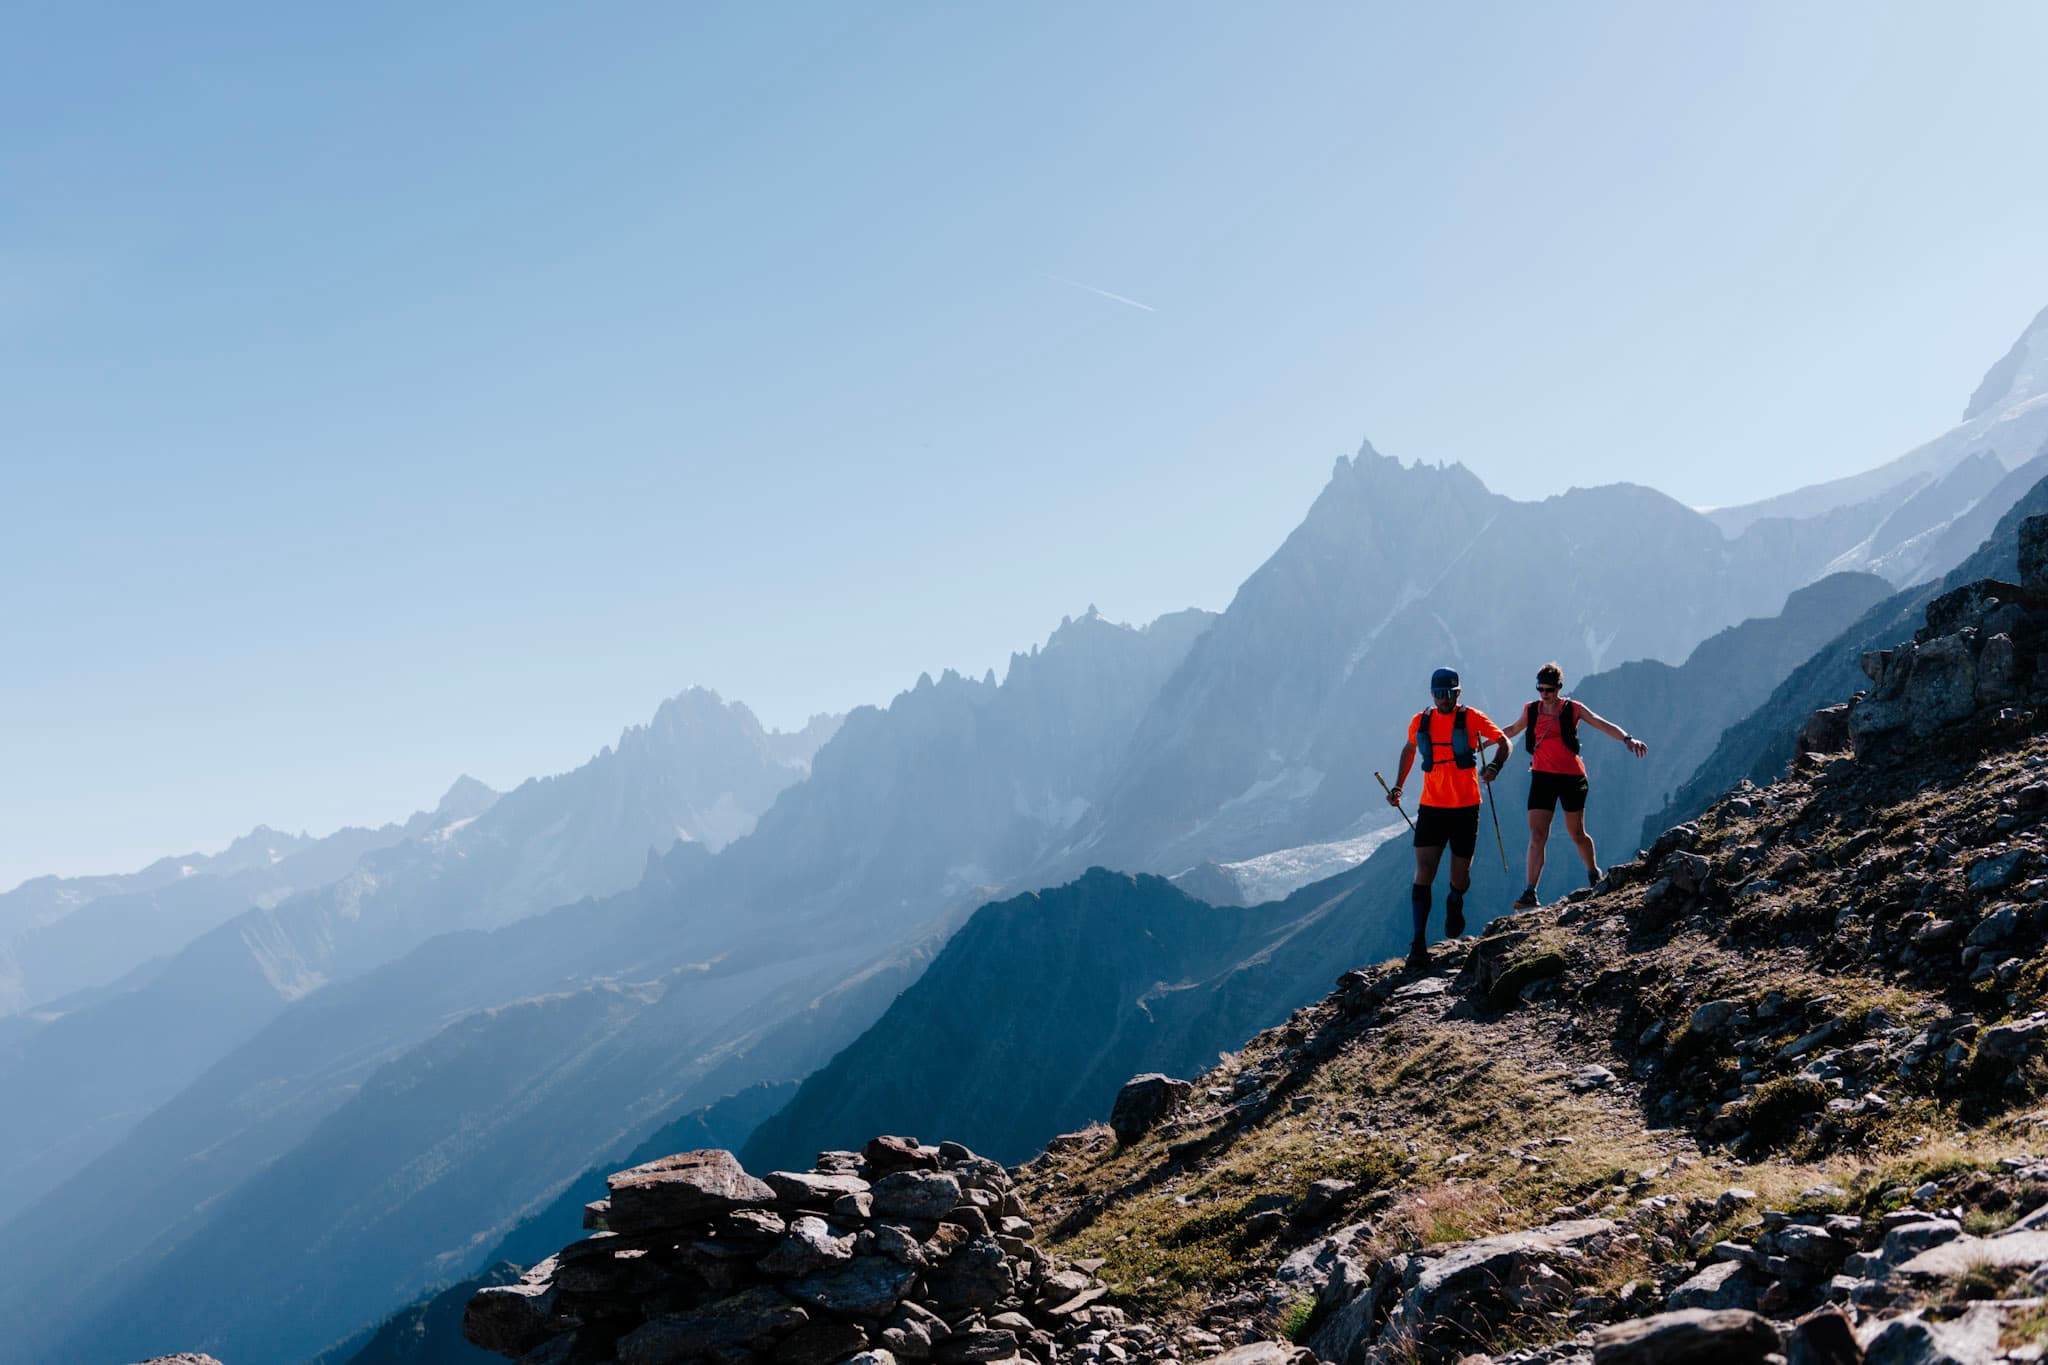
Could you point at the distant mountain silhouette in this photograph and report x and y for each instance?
(75, 1083)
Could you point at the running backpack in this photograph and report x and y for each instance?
(1461, 741)
(1567, 725)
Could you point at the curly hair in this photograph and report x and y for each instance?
(1550, 675)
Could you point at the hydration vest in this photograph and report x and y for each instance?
(1461, 741)
(1567, 724)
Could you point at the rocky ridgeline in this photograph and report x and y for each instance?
(1976, 665)
(900, 1252)
(1804, 1286)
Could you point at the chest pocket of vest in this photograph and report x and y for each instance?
(1461, 740)
(1567, 725)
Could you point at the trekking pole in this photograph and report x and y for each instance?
(1404, 814)
(1503, 844)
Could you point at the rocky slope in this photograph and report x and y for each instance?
(1787, 1067)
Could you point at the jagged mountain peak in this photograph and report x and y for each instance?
(2020, 375)
(1369, 469)
(465, 797)
(1092, 629)
(694, 710)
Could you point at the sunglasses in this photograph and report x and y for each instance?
(1548, 687)
(1444, 691)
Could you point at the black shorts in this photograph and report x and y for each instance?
(1548, 790)
(1457, 826)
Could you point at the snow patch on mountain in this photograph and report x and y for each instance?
(1052, 812)
(1276, 875)
(1597, 645)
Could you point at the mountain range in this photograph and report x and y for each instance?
(61, 935)
(421, 1054)
(80, 1079)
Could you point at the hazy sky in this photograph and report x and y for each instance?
(388, 391)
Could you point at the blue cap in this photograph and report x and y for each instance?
(1443, 679)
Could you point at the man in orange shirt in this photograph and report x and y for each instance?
(1446, 737)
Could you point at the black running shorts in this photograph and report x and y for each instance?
(1457, 826)
(1548, 790)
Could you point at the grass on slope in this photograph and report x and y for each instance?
(1463, 1123)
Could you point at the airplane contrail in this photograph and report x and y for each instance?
(1115, 298)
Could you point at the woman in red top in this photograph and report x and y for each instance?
(1558, 776)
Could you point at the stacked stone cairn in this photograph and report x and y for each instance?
(900, 1252)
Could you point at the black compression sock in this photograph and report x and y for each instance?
(1418, 900)
(1454, 912)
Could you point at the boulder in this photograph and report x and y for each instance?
(911, 1331)
(1959, 1254)
(1264, 1353)
(976, 1344)
(682, 1189)
(1710, 1018)
(812, 1189)
(1997, 670)
(2007, 1045)
(1995, 873)
(928, 1195)
(1450, 1296)
(1724, 1284)
(821, 1342)
(1970, 1338)
(743, 1322)
(1143, 1102)
(510, 1319)
(807, 1247)
(1812, 1253)
(865, 1287)
(1826, 731)
(887, 1155)
(1823, 1337)
(1907, 1240)
(1320, 1200)
(1686, 872)
(1690, 1336)
(1995, 928)
(976, 1275)
(2034, 554)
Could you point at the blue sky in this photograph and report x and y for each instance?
(392, 391)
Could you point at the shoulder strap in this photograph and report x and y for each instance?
(1568, 724)
(1529, 728)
